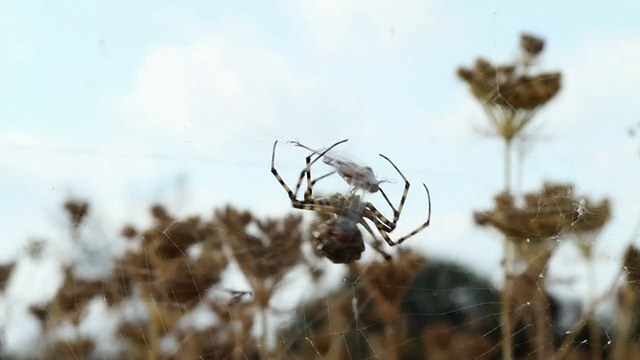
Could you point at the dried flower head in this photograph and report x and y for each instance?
(77, 211)
(531, 45)
(5, 273)
(509, 93)
(387, 282)
(129, 232)
(546, 214)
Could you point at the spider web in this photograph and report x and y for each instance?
(180, 275)
(125, 300)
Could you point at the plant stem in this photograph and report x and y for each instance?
(391, 341)
(154, 330)
(626, 315)
(507, 166)
(264, 353)
(505, 313)
(544, 341)
(594, 330)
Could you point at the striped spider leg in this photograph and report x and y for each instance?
(384, 226)
(306, 172)
(357, 176)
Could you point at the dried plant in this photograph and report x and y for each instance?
(375, 314)
(510, 95)
(77, 210)
(162, 269)
(386, 284)
(5, 273)
(532, 229)
(80, 348)
(628, 303)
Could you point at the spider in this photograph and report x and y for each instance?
(338, 237)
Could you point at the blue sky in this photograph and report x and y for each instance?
(132, 103)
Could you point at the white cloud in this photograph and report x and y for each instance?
(360, 26)
(219, 88)
(600, 80)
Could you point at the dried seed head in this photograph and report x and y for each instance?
(182, 234)
(387, 282)
(41, 312)
(160, 214)
(531, 45)
(546, 214)
(185, 281)
(232, 219)
(5, 273)
(129, 232)
(137, 266)
(77, 211)
(509, 92)
(75, 293)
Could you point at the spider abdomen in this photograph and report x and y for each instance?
(339, 240)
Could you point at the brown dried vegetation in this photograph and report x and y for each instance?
(172, 268)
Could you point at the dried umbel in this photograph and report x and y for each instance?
(510, 93)
(129, 232)
(232, 220)
(184, 281)
(387, 282)
(504, 87)
(75, 292)
(546, 214)
(270, 251)
(74, 295)
(531, 45)
(77, 211)
(5, 273)
(180, 235)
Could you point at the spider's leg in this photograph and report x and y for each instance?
(309, 193)
(396, 213)
(372, 214)
(318, 205)
(306, 171)
(322, 177)
(297, 143)
(381, 221)
(377, 244)
(292, 195)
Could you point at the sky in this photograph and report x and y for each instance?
(127, 104)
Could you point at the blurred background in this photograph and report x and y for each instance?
(131, 116)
